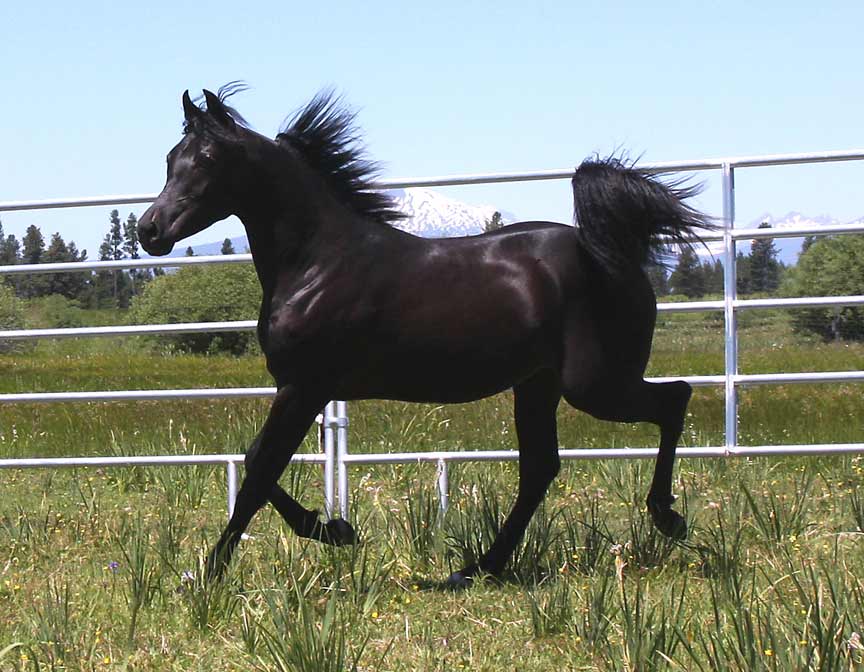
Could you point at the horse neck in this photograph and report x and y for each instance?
(294, 219)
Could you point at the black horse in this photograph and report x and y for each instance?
(356, 309)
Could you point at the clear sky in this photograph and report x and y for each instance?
(90, 100)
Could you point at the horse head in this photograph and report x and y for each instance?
(204, 176)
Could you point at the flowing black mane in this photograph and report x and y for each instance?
(323, 133)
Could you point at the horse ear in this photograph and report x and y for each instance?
(217, 110)
(190, 110)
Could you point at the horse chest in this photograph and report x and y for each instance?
(283, 329)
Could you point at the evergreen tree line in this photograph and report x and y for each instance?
(758, 272)
(102, 289)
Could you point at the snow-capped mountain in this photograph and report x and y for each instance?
(433, 215)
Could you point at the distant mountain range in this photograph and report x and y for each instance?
(433, 215)
(787, 248)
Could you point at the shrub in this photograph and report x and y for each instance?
(55, 312)
(202, 294)
(830, 267)
(11, 317)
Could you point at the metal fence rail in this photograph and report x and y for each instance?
(334, 421)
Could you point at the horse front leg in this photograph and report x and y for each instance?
(287, 422)
(307, 523)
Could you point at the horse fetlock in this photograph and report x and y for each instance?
(462, 579)
(339, 532)
(669, 522)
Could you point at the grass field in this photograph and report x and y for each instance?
(100, 568)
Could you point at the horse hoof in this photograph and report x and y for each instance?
(670, 523)
(462, 579)
(338, 532)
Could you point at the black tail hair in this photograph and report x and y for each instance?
(627, 217)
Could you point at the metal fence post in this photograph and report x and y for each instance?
(443, 486)
(730, 293)
(341, 452)
(329, 457)
(231, 468)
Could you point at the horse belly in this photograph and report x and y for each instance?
(443, 377)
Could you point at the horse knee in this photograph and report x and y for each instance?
(544, 472)
(674, 407)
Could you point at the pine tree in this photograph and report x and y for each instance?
(190, 252)
(115, 237)
(80, 284)
(764, 266)
(32, 253)
(742, 273)
(130, 237)
(34, 245)
(227, 246)
(657, 277)
(712, 274)
(687, 276)
(5, 259)
(494, 223)
(10, 252)
(137, 277)
(102, 295)
(57, 253)
(112, 288)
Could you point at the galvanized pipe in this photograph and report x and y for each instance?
(604, 453)
(329, 465)
(232, 486)
(443, 481)
(137, 461)
(730, 293)
(138, 395)
(120, 264)
(341, 452)
(130, 330)
(485, 178)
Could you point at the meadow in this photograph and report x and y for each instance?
(100, 569)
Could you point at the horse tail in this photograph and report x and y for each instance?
(627, 217)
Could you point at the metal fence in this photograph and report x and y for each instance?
(335, 457)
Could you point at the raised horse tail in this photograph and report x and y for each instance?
(627, 217)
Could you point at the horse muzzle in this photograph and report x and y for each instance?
(150, 234)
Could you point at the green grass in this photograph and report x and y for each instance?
(100, 569)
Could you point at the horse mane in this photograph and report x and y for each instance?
(324, 134)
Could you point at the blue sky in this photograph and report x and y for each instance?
(91, 92)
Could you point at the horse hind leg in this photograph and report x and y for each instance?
(662, 404)
(535, 402)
